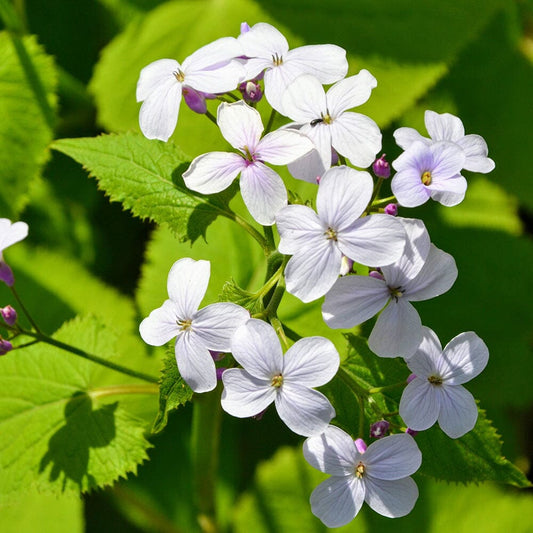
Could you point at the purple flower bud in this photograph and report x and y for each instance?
(376, 274)
(9, 315)
(346, 265)
(360, 445)
(334, 157)
(251, 91)
(379, 429)
(411, 432)
(5, 346)
(245, 28)
(381, 167)
(195, 100)
(220, 371)
(411, 377)
(6, 274)
(391, 209)
(217, 356)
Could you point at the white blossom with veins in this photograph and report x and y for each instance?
(209, 70)
(196, 330)
(287, 380)
(437, 392)
(268, 51)
(423, 272)
(262, 189)
(379, 476)
(318, 241)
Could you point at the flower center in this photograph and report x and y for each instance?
(248, 155)
(426, 178)
(435, 380)
(277, 60)
(396, 292)
(184, 325)
(277, 381)
(179, 75)
(360, 470)
(331, 234)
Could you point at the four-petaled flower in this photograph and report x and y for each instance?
(379, 476)
(10, 233)
(437, 392)
(196, 330)
(287, 380)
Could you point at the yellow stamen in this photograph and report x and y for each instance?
(184, 324)
(360, 470)
(277, 381)
(435, 380)
(331, 234)
(426, 178)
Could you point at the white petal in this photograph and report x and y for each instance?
(458, 411)
(391, 498)
(256, 347)
(357, 137)
(154, 75)
(350, 92)
(326, 62)
(219, 80)
(304, 99)
(337, 500)
(311, 361)
(216, 323)
(476, 151)
(425, 361)
(244, 395)
(160, 325)
(240, 125)
(393, 457)
(253, 67)
(397, 332)
(298, 225)
(408, 188)
(219, 51)
(448, 160)
(444, 127)
(308, 168)
(159, 112)
(276, 80)
(420, 405)
(10, 233)
(263, 192)
(263, 40)
(332, 452)
(306, 411)
(186, 285)
(463, 358)
(353, 300)
(450, 198)
(405, 137)
(195, 363)
(320, 135)
(283, 146)
(213, 172)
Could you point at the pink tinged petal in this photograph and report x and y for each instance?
(263, 40)
(311, 361)
(353, 300)
(343, 195)
(308, 168)
(240, 125)
(313, 270)
(444, 127)
(476, 151)
(215, 53)
(154, 75)
(458, 411)
(393, 457)
(304, 99)
(463, 358)
(435, 278)
(426, 360)
(263, 192)
(216, 323)
(398, 330)
(186, 285)
(298, 226)
(374, 240)
(160, 325)
(391, 498)
(326, 62)
(10, 233)
(195, 363)
(337, 500)
(256, 347)
(332, 452)
(405, 137)
(420, 404)
(357, 137)
(283, 147)
(306, 411)
(408, 188)
(350, 92)
(448, 160)
(213, 172)
(245, 395)
(159, 112)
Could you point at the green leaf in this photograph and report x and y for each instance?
(60, 429)
(145, 176)
(231, 292)
(27, 103)
(173, 392)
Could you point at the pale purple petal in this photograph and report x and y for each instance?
(350, 92)
(263, 192)
(10, 233)
(298, 225)
(444, 127)
(408, 188)
(195, 363)
(326, 62)
(154, 75)
(217, 52)
(426, 360)
(186, 285)
(309, 167)
(391, 498)
(448, 159)
(448, 197)
(253, 67)
(220, 80)
(276, 80)
(320, 135)
(311, 361)
(476, 151)
(405, 137)
(458, 411)
(245, 395)
(213, 172)
(304, 99)
(160, 325)
(240, 125)
(398, 330)
(283, 146)
(420, 404)
(263, 40)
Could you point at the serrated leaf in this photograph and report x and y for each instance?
(231, 292)
(173, 392)
(145, 176)
(60, 430)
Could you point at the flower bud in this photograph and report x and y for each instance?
(411, 432)
(251, 91)
(411, 377)
(5, 346)
(381, 167)
(379, 429)
(346, 266)
(360, 445)
(391, 209)
(217, 356)
(195, 100)
(245, 28)
(376, 274)
(220, 371)
(6, 274)
(9, 315)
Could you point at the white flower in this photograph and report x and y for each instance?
(437, 392)
(317, 242)
(197, 330)
(10, 233)
(447, 127)
(268, 51)
(269, 376)
(209, 70)
(379, 476)
(324, 118)
(422, 272)
(262, 188)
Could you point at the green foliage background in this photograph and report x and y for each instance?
(86, 256)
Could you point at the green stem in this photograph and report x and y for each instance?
(231, 95)
(270, 121)
(249, 228)
(387, 200)
(376, 190)
(342, 159)
(24, 310)
(269, 236)
(348, 379)
(205, 440)
(11, 19)
(376, 390)
(118, 390)
(278, 328)
(211, 117)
